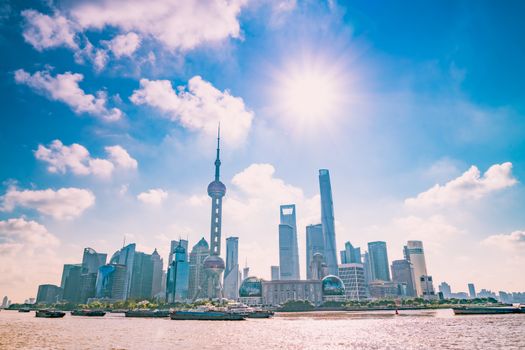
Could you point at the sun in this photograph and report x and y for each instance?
(309, 94)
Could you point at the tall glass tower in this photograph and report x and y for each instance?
(327, 220)
(314, 244)
(231, 274)
(379, 261)
(214, 265)
(288, 250)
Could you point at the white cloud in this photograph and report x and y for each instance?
(513, 242)
(27, 257)
(153, 196)
(66, 203)
(200, 107)
(180, 25)
(65, 88)
(76, 158)
(435, 230)
(18, 233)
(120, 157)
(43, 31)
(124, 44)
(470, 185)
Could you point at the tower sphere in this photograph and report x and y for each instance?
(214, 263)
(216, 189)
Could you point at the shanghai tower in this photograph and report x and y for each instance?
(213, 264)
(327, 220)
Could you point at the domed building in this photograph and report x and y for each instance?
(333, 288)
(250, 292)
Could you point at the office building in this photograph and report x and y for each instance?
(142, 277)
(276, 275)
(177, 277)
(353, 277)
(471, 290)
(70, 283)
(378, 259)
(314, 244)
(350, 255)
(427, 287)
(368, 267)
(403, 275)
(328, 221)
(279, 292)
(231, 273)
(125, 256)
(5, 302)
(318, 268)
(199, 253)
(111, 282)
(383, 289)
(65, 273)
(87, 286)
(174, 244)
(414, 253)
(156, 287)
(288, 249)
(444, 288)
(48, 294)
(91, 260)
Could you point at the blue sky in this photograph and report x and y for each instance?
(399, 101)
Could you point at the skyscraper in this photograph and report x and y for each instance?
(177, 278)
(231, 273)
(199, 253)
(70, 284)
(471, 290)
(415, 254)
(142, 277)
(318, 268)
(111, 282)
(327, 221)
(125, 256)
(48, 294)
(314, 244)
(444, 288)
(214, 265)
(403, 274)
(156, 288)
(276, 274)
(65, 272)
(378, 261)
(288, 250)
(91, 260)
(350, 255)
(174, 244)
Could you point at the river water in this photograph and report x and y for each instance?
(429, 329)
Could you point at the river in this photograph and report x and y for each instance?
(429, 329)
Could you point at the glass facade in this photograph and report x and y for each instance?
(378, 259)
(288, 249)
(314, 244)
(327, 221)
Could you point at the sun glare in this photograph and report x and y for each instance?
(310, 94)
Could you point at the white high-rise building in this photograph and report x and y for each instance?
(353, 277)
(414, 253)
(231, 273)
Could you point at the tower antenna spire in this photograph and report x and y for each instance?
(218, 161)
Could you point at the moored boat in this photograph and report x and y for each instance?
(489, 310)
(147, 313)
(83, 312)
(260, 314)
(49, 314)
(207, 315)
(24, 309)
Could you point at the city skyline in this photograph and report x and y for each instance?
(108, 123)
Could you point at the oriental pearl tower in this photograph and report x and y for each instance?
(213, 264)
